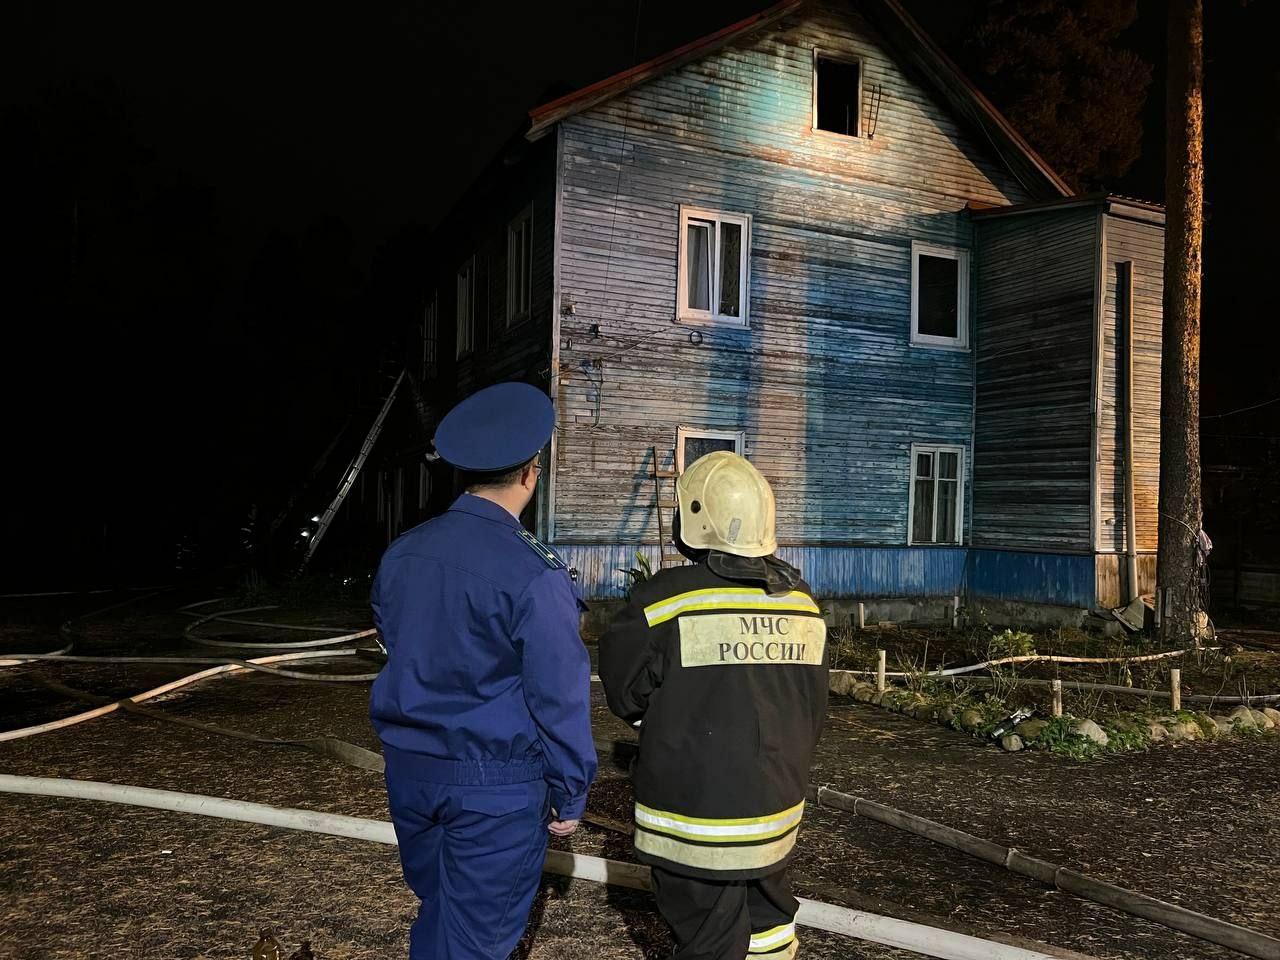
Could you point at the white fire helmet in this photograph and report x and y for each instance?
(726, 504)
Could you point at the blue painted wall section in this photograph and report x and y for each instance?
(869, 572)
(1063, 579)
(831, 571)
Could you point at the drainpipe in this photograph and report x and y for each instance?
(1130, 499)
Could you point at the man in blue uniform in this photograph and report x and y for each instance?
(483, 707)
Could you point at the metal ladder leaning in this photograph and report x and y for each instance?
(668, 556)
(353, 471)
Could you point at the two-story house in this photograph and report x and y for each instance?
(809, 239)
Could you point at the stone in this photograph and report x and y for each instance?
(925, 711)
(1031, 729)
(1089, 729)
(1208, 726)
(947, 715)
(1185, 730)
(1273, 713)
(878, 698)
(1242, 717)
(840, 683)
(1011, 742)
(971, 720)
(1223, 724)
(1157, 732)
(1262, 720)
(863, 692)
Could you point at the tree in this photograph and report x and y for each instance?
(1179, 562)
(1053, 67)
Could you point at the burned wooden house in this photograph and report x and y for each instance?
(809, 239)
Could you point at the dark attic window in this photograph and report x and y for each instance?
(838, 85)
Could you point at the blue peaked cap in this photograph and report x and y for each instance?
(497, 428)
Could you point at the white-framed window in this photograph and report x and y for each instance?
(939, 296)
(837, 94)
(519, 266)
(693, 443)
(713, 275)
(466, 303)
(936, 510)
(430, 336)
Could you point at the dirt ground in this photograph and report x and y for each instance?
(1194, 824)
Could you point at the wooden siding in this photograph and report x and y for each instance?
(519, 351)
(1111, 574)
(1063, 579)
(862, 572)
(1141, 243)
(1033, 442)
(824, 381)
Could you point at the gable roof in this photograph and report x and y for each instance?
(908, 40)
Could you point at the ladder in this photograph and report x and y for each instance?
(668, 555)
(349, 478)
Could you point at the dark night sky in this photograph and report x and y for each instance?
(310, 135)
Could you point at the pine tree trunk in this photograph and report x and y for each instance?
(1178, 580)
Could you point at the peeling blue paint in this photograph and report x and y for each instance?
(868, 572)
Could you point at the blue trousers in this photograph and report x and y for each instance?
(473, 855)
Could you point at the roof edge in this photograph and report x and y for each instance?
(952, 82)
(1110, 202)
(543, 118)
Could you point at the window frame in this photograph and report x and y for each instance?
(687, 314)
(467, 267)
(963, 258)
(851, 60)
(429, 361)
(521, 222)
(683, 433)
(936, 449)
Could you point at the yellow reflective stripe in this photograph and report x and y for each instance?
(767, 941)
(710, 830)
(786, 953)
(730, 598)
(718, 857)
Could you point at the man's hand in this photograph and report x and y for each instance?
(562, 828)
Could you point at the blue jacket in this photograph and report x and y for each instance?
(487, 680)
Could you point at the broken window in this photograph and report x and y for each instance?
(837, 95)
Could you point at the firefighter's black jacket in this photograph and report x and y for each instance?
(731, 685)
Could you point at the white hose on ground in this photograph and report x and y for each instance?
(258, 645)
(165, 688)
(1032, 658)
(930, 941)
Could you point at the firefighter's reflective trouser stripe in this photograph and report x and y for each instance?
(728, 920)
(775, 943)
(740, 843)
(727, 599)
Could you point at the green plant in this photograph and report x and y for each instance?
(641, 572)
(1058, 737)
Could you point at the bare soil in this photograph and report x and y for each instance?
(1194, 824)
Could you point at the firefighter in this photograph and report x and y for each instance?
(483, 706)
(723, 664)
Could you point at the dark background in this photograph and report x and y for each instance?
(213, 213)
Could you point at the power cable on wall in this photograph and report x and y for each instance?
(613, 223)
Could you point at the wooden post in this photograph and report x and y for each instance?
(955, 613)
(1175, 687)
(880, 671)
(1057, 698)
(862, 616)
